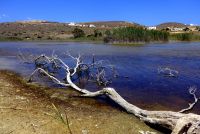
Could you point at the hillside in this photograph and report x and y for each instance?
(112, 24)
(33, 30)
(170, 24)
(45, 30)
(38, 30)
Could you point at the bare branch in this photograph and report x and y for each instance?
(50, 76)
(78, 62)
(168, 72)
(24, 58)
(192, 91)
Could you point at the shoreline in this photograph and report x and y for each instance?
(99, 42)
(31, 106)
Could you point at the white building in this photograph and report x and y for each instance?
(176, 29)
(84, 25)
(72, 24)
(92, 25)
(79, 25)
(151, 28)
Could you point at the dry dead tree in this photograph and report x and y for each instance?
(176, 122)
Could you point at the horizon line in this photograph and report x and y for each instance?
(29, 20)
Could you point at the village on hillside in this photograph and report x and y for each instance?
(177, 29)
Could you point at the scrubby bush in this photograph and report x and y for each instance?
(97, 33)
(78, 33)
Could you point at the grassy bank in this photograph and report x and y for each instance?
(185, 36)
(10, 39)
(115, 36)
(82, 39)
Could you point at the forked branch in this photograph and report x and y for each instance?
(192, 91)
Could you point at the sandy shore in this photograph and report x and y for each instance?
(27, 108)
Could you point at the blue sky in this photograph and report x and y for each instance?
(147, 12)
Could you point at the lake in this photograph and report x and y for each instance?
(139, 81)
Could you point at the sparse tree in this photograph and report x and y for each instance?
(186, 29)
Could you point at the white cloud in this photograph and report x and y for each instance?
(2, 16)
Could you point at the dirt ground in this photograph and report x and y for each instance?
(27, 108)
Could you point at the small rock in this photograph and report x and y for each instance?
(18, 90)
(20, 98)
(96, 126)
(84, 131)
(147, 132)
(55, 95)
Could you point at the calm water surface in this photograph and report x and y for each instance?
(144, 86)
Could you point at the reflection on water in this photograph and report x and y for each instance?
(143, 87)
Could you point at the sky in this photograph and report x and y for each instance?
(146, 12)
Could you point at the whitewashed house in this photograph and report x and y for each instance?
(151, 28)
(177, 29)
(72, 24)
(92, 25)
(79, 25)
(84, 25)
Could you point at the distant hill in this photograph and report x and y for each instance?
(35, 21)
(34, 30)
(46, 30)
(112, 24)
(170, 24)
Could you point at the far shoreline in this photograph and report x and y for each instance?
(97, 42)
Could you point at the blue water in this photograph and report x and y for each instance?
(139, 81)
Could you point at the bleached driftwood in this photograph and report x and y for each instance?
(177, 122)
